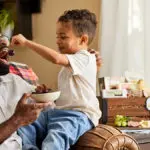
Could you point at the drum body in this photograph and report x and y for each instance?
(104, 137)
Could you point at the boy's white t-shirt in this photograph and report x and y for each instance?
(78, 85)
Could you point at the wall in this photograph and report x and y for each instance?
(44, 33)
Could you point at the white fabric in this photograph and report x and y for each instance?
(17, 63)
(12, 87)
(78, 85)
(125, 39)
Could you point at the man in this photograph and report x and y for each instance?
(15, 111)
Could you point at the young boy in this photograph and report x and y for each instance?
(77, 109)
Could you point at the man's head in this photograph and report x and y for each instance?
(5, 52)
(75, 30)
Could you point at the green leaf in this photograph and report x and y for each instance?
(6, 19)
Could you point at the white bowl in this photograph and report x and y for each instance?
(46, 97)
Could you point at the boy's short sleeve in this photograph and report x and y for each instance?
(78, 62)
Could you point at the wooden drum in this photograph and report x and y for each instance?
(104, 137)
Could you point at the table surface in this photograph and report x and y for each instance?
(142, 135)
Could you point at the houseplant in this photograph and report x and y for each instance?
(6, 23)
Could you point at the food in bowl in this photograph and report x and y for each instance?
(46, 97)
(44, 94)
(42, 89)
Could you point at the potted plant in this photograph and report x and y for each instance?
(6, 23)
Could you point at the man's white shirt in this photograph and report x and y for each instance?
(12, 87)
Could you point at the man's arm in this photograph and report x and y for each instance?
(7, 128)
(24, 114)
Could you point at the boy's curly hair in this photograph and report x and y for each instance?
(83, 22)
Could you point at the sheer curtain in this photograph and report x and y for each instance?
(125, 38)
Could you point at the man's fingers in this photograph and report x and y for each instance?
(97, 54)
(92, 51)
(40, 105)
(37, 112)
(99, 59)
(24, 98)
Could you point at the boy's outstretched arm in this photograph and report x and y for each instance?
(44, 51)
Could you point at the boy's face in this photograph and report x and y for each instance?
(67, 41)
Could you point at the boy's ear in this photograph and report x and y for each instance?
(84, 39)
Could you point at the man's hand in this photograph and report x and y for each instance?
(24, 114)
(99, 61)
(27, 113)
(19, 40)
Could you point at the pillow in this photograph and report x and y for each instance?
(24, 71)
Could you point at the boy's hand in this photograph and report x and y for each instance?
(99, 61)
(18, 40)
(26, 113)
